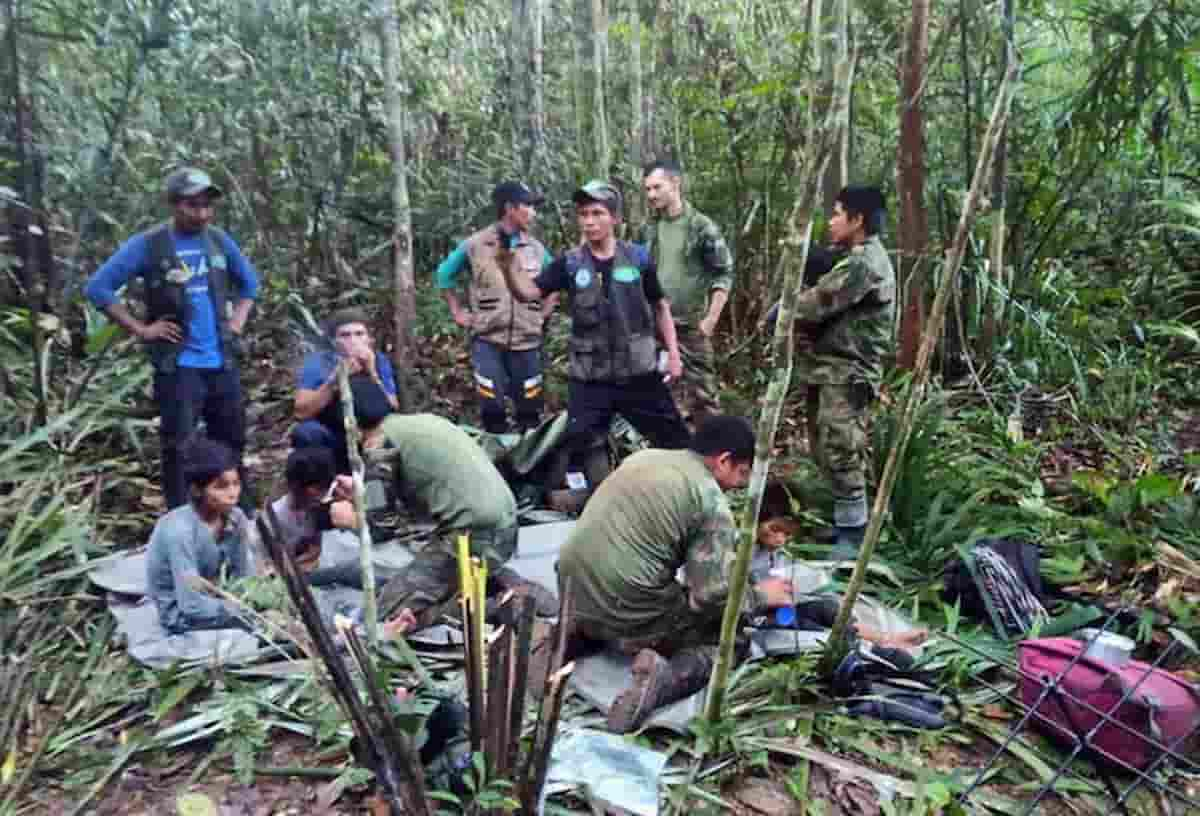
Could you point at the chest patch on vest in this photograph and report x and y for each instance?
(583, 278)
(626, 274)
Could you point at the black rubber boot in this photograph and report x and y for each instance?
(847, 543)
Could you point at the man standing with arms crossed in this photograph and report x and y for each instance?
(695, 268)
(506, 335)
(616, 304)
(199, 289)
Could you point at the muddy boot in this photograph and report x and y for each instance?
(656, 683)
(568, 501)
(505, 579)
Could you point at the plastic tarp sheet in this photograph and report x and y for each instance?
(612, 772)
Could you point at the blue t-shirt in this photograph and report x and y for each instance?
(202, 346)
(319, 365)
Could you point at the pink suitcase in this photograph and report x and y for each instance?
(1163, 707)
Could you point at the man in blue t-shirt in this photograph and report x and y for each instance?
(199, 290)
(318, 407)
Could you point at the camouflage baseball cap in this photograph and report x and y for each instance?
(188, 181)
(601, 192)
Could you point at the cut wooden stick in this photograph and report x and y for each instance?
(538, 762)
(402, 792)
(526, 609)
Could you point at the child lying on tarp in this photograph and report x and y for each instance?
(206, 538)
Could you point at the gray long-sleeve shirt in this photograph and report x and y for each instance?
(183, 546)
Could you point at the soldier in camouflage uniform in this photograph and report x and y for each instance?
(695, 268)
(439, 470)
(844, 329)
(659, 511)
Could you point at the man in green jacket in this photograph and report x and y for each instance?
(844, 331)
(695, 268)
(660, 511)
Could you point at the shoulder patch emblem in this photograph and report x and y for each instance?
(627, 274)
(583, 278)
(179, 275)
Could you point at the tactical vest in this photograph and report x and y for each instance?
(167, 298)
(496, 316)
(612, 323)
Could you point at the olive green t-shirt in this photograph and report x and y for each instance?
(659, 511)
(445, 473)
(687, 292)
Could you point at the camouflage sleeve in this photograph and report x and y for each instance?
(718, 260)
(845, 285)
(710, 558)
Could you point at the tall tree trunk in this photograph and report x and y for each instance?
(837, 171)
(837, 644)
(833, 112)
(404, 290)
(636, 156)
(581, 48)
(517, 78)
(29, 228)
(914, 223)
(987, 340)
(599, 68)
(537, 89)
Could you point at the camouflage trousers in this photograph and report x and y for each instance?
(696, 392)
(431, 578)
(837, 439)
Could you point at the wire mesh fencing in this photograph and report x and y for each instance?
(1120, 725)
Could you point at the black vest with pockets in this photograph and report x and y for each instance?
(168, 299)
(612, 322)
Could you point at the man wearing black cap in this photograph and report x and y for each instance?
(199, 289)
(617, 304)
(506, 336)
(844, 330)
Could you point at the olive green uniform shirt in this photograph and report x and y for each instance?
(692, 260)
(444, 472)
(659, 511)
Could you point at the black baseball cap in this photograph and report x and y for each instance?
(601, 192)
(188, 181)
(514, 192)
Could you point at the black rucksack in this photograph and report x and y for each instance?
(997, 580)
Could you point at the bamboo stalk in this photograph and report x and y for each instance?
(538, 762)
(399, 793)
(834, 118)
(400, 743)
(498, 696)
(358, 473)
(520, 682)
(836, 648)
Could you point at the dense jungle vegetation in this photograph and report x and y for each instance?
(358, 143)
